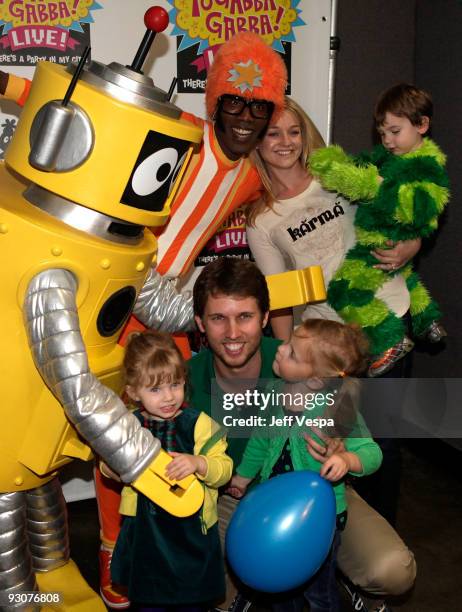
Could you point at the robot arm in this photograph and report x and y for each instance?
(161, 306)
(98, 414)
(59, 353)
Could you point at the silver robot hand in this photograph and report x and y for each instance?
(162, 307)
(59, 353)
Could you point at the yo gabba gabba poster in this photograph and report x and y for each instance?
(31, 30)
(34, 30)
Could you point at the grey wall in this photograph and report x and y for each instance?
(418, 41)
(438, 68)
(376, 51)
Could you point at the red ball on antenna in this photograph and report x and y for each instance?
(156, 19)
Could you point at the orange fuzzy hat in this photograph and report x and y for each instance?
(246, 66)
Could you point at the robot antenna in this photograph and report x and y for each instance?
(156, 20)
(76, 76)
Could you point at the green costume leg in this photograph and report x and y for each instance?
(351, 293)
(424, 310)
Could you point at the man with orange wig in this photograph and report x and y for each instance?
(245, 88)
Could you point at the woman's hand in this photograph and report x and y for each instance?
(397, 255)
(183, 465)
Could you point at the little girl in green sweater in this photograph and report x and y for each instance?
(318, 363)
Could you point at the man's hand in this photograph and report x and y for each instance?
(398, 255)
(183, 465)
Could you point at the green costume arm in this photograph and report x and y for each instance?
(338, 172)
(321, 159)
(412, 196)
(420, 203)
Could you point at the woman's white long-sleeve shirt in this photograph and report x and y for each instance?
(314, 228)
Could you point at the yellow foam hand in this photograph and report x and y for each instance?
(296, 287)
(178, 497)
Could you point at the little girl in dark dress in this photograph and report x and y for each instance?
(166, 561)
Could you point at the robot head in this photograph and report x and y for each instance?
(107, 139)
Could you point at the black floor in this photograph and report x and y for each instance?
(429, 521)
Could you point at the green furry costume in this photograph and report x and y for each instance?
(405, 205)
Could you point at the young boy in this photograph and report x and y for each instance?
(401, 188)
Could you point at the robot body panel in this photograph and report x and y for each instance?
(37, 437)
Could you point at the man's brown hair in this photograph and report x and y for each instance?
(230, 277)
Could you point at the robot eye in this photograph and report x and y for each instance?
(152, 173)
(179, 165)
(159, 161)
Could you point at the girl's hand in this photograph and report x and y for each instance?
(328, 446)
(335, 467)
(238, 486)
(397, 255)
(183, 465)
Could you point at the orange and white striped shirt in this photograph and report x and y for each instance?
(211, 189)
(14, 88)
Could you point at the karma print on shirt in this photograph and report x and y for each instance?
(309, 224)
(314, 234)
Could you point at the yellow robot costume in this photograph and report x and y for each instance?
(96, 157)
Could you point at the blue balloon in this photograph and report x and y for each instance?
(282, 531)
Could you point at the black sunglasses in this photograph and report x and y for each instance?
(235, 105)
